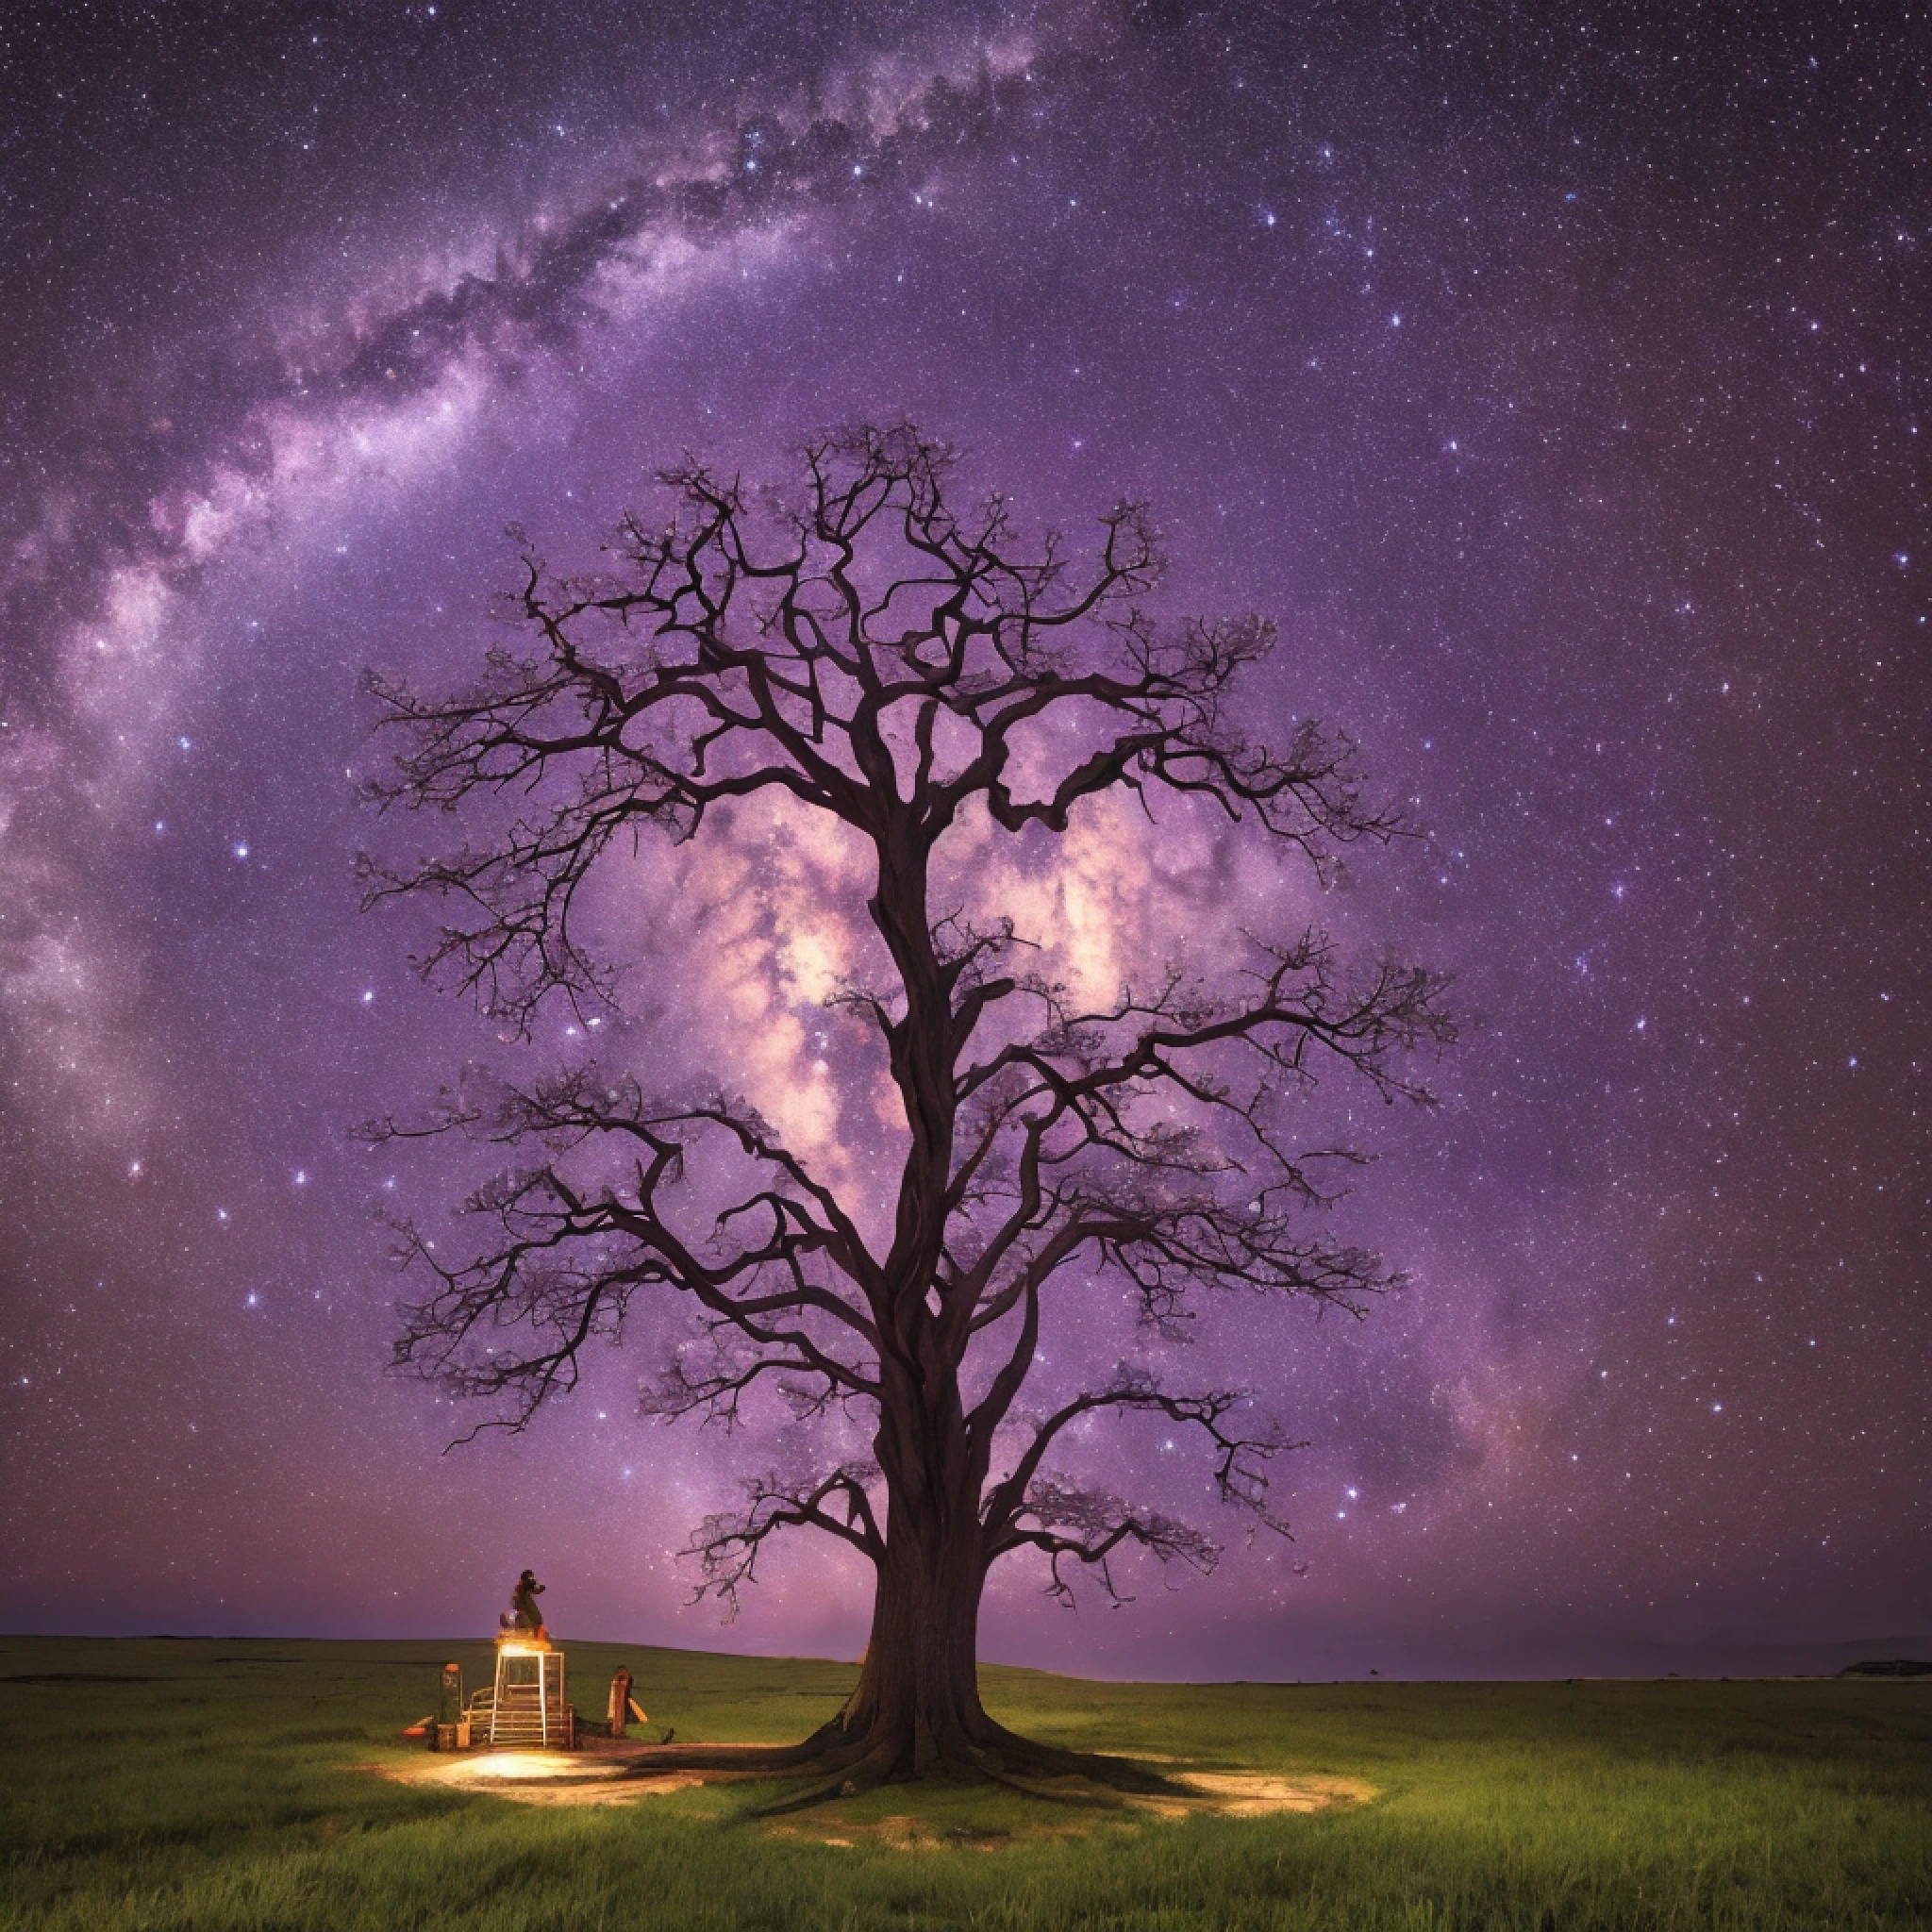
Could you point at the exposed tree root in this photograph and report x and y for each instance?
(1024, 1756)
(937, 1811)
(833, 1763)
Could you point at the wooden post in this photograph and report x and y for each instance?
(619, 1700)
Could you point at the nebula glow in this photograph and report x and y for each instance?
(1562, 393)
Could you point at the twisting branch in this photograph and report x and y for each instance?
(1027, 1506)
(727, 1545)
(781, 1269)
(1090, 1525)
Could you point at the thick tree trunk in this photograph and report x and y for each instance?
(916, 1702)
(915, 1712)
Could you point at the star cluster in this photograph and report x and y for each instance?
(1561, 390)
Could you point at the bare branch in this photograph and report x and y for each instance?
(727, 1545)
(1090, 1525)
(1024, 1497)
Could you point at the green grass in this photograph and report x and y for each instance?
(206, 1783)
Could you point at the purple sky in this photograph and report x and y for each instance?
(1559, 391)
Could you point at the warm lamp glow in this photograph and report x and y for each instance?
(522, 1764)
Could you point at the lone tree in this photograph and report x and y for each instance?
(893, 661)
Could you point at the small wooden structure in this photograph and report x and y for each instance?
(528, 1703)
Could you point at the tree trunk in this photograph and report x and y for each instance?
(916, 1707)
(915, 1712)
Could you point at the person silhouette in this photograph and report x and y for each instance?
(524, 1602)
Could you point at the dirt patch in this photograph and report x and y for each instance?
(970, 1818)
(1258, 1794)
(949, 1818)
(537, 1777)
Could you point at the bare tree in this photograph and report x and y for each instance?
(890, 661)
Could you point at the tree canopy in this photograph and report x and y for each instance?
(885, 656)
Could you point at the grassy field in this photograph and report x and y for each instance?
(211, 1784)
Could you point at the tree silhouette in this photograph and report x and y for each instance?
(896, 663)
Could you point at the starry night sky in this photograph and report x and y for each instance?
(1564, 389)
